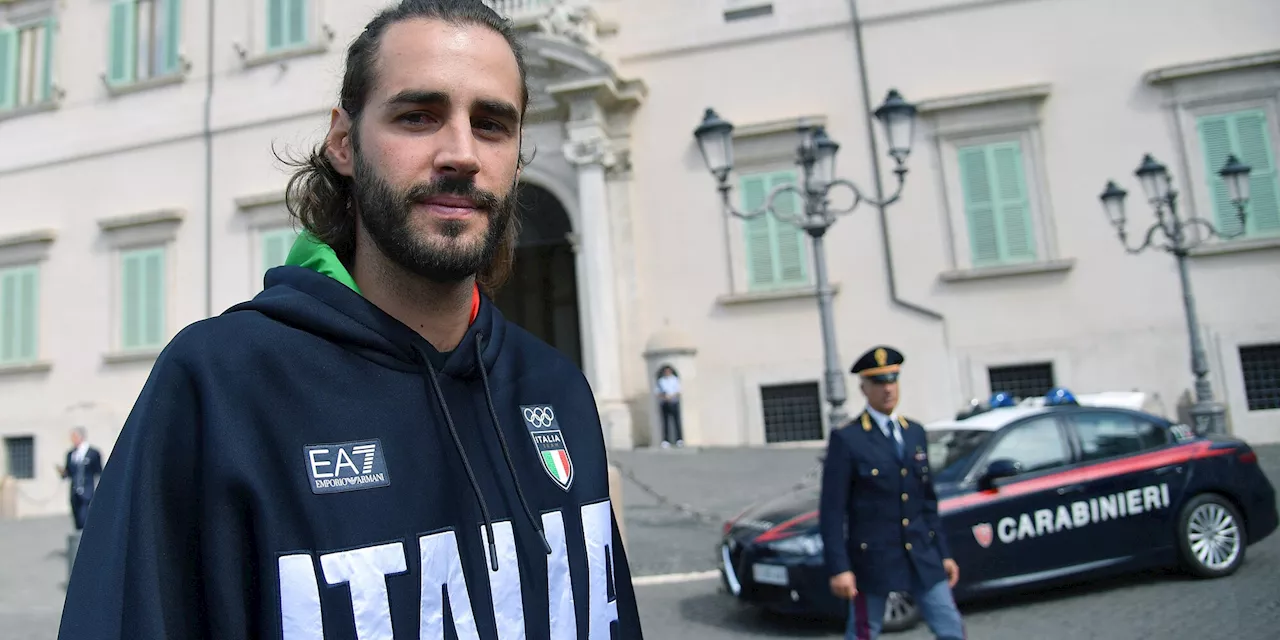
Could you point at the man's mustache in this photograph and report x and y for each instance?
(464, 187)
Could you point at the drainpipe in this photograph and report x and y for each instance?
(879, 186)
(207, 133)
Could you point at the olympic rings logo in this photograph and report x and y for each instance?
(540, 417)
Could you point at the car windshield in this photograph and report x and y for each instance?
(951, 449)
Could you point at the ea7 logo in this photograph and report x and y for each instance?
(982, 533)
(346, 467)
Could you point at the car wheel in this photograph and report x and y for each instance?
(900, 613)
(1211, 536)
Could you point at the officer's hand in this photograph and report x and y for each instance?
(844, 586)
(953, 571)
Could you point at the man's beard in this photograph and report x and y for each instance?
(387, 216)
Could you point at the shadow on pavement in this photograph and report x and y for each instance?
(1070, 590)
(710, 609)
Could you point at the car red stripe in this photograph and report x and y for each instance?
(1143, 462)
(783, 529)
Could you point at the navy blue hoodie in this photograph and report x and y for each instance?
(306, 467)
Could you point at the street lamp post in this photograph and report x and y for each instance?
(816, 157)
(1207, 415)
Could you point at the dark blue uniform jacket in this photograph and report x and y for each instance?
(878, 514)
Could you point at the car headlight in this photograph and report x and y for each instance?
(809, 544)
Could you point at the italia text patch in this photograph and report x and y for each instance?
(333, 468)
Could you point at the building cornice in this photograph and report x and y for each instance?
(1218, 65)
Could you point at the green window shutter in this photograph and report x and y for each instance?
(171, 37)
(1215, 141)
(776, 251)
(120, 61)
(131, 301)
(756, 232)
(28, 314)
(142, 299)
(153, 297)
(1246, 134)
(996, 205)
(1013, 205)
(46, 76)
(788, 239)
(8, 67)
(979, 206)
(297, 22)
(8, 315)
(276, 24)
(18, 314)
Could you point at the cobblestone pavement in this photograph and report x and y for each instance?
(675, 502)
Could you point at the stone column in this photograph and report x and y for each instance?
(589, 150)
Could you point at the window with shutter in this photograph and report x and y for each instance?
(287, 23)
(276, 244)
(145, 40)
(142, 298)
(26, 63)
(1247, 134)
(996, 204)
(19, 313)
(776, 253)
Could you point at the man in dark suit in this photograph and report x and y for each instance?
(879, 514)
(84, 465)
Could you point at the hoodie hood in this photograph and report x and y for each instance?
(314, 292)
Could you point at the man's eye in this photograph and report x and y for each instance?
(416, 117)
(490, 125)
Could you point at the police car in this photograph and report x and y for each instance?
(1033, 494)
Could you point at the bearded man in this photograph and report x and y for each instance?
(366, 449)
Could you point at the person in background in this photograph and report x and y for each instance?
(83, 466)
(668, 392)
(878, 511)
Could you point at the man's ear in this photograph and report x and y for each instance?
(338, 144)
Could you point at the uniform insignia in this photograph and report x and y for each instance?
(920, 456)
(903, 421)
(543, 427)
(982, 533)
(866, 422)
(881, 357)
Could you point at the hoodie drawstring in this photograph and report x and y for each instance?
(466, 463)
(462, 453)
(502, 440)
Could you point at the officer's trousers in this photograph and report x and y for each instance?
(935, 602)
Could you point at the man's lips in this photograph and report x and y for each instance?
(450, 206)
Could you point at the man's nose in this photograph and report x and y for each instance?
(457, 155)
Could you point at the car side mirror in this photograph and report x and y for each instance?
(998, 469)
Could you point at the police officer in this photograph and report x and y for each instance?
(879, 516)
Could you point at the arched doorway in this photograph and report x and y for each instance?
(542, 294)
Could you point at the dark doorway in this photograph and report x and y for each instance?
(542, 294)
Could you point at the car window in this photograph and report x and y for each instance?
(1034, 446)
(951, 449)
(1106, 435)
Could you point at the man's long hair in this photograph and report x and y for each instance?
(324, 201)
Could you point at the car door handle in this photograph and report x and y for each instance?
(1169, 469)
(1071, 488)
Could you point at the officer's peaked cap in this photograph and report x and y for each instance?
(880, 364)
